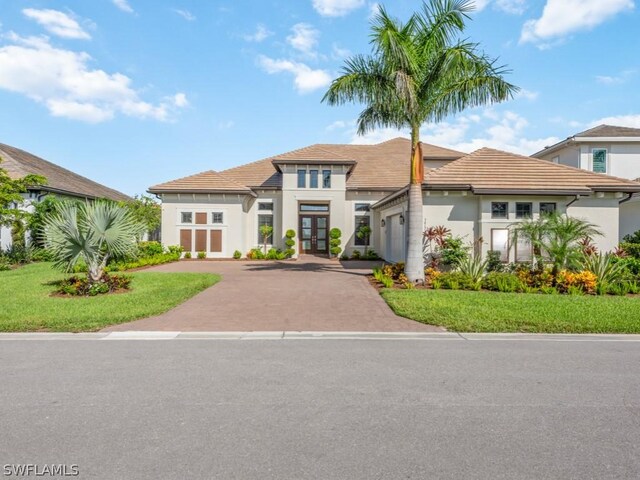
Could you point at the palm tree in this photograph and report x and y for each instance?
(90, 232)
(563, 245)
(535, 233)
(419, 72)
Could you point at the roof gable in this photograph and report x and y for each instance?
(207, 182)
(610, 131)
(19, 163)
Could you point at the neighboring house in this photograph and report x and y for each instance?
(60, 182)
(609, 150)
(316, 188)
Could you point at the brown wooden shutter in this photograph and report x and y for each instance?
(201, 240)
(201, 219)
(185, 240)
(216, 241)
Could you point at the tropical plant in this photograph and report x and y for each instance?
(453, 251)
(474, 267)
(41, 211)
(494, 261)
(632, 238)
(90, 233)
(535, 232)
(237, 254)
(604, 266)
(564, 235)
(419, 72)
(266, 231)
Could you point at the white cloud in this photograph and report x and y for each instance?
(260, 35)
(480, 5)
(623, 77)
(186, 14)
(503, 131)
(336, 8)
(513, 7)
(123, 5)
(527, 94)
(306, 79)
(304, 38)
(58, 23)
(339, 53)
(180, 100)
(63, 81)
(226, 125)
(563, 17)
(631, 120)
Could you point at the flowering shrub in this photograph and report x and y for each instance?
(80, 286)
(584, 280)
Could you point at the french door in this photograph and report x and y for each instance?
(314, 234)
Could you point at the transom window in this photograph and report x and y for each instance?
(524, 210)
(326, 179)
(313, 178)
(310, 207)
(217, 217)
(186, 217)
(265, 206)
(599, 164)
(499, 210)
(362, 207)
(302, 179)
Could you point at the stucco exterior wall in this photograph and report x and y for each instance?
(629, 217)
(603, 212)
(232, 227)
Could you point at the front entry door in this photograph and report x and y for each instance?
(314, 234)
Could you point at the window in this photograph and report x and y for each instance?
(326, 178)
(265, 220)
(361, 221)
(499, 210)
(524, 210)
(265, 206)
(186, 217)
(362, 207)
(217, 217)
(313, 178)
(309, 207)
(547, 208)
(524, 252)
(599, 160)
(302, 179)
(555, 159)
(500, 243)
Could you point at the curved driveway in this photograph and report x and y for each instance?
(310, 294)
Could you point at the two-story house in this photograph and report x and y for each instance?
(605, 149)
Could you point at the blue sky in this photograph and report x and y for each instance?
(135, 92)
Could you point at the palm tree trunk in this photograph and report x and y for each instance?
(414, 267)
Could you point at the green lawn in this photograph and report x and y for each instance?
(26, 304)
(466, 311)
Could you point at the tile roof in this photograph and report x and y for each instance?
(381, 166)
(609, 131)
(19, 163)
(209, 181)
(488, 170)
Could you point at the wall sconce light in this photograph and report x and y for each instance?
(382, 223)
(401, 219)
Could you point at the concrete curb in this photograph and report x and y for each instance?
(286, 335)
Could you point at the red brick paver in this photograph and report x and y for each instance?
(310, 294)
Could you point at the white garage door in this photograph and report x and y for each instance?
(395, 239)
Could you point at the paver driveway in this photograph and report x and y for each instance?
(310, 294)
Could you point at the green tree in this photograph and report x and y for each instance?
(266, 231)
(147, 211)
(11, 198)
(41, 211)
(419, 71)
(90, 232)
(564, 234)
(535, 232)
(364, 233)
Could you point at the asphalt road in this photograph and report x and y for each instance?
(325, 409)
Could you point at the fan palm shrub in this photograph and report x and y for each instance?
(419, 72)
(91, 233)
(563, 240)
